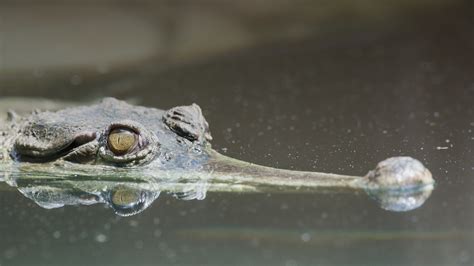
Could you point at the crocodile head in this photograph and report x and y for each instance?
(115, 133)
(125, 155)
(115, 136)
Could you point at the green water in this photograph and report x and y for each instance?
(342, 95)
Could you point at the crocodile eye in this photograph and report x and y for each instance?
(122, 140)
(128, 201)
(123, 197)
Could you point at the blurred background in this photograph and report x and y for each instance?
(320, 85)
(107, 47)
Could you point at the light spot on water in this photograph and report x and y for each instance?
(133, 223)
(57, 234)
(10, 253)
(305, 237)
(157, 233)
(101, 238)
(464, 256)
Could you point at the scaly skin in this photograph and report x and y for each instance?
(67, 157)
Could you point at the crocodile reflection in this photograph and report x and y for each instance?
(125, 155)
(131, 195)
(125, 198)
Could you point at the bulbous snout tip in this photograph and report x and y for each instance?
(400, 184)
(400, 173)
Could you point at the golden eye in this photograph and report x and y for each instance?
(121, 141)
(125, 197)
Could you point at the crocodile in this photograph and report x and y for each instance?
(125, 155)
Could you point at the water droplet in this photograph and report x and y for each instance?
(133, 223)
(305, 237)
(157, 233)
(57, 234)
(101, 238)
(11, 253)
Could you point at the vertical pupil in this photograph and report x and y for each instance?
(125, 197)
(121, 141)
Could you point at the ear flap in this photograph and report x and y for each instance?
(188, 122)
